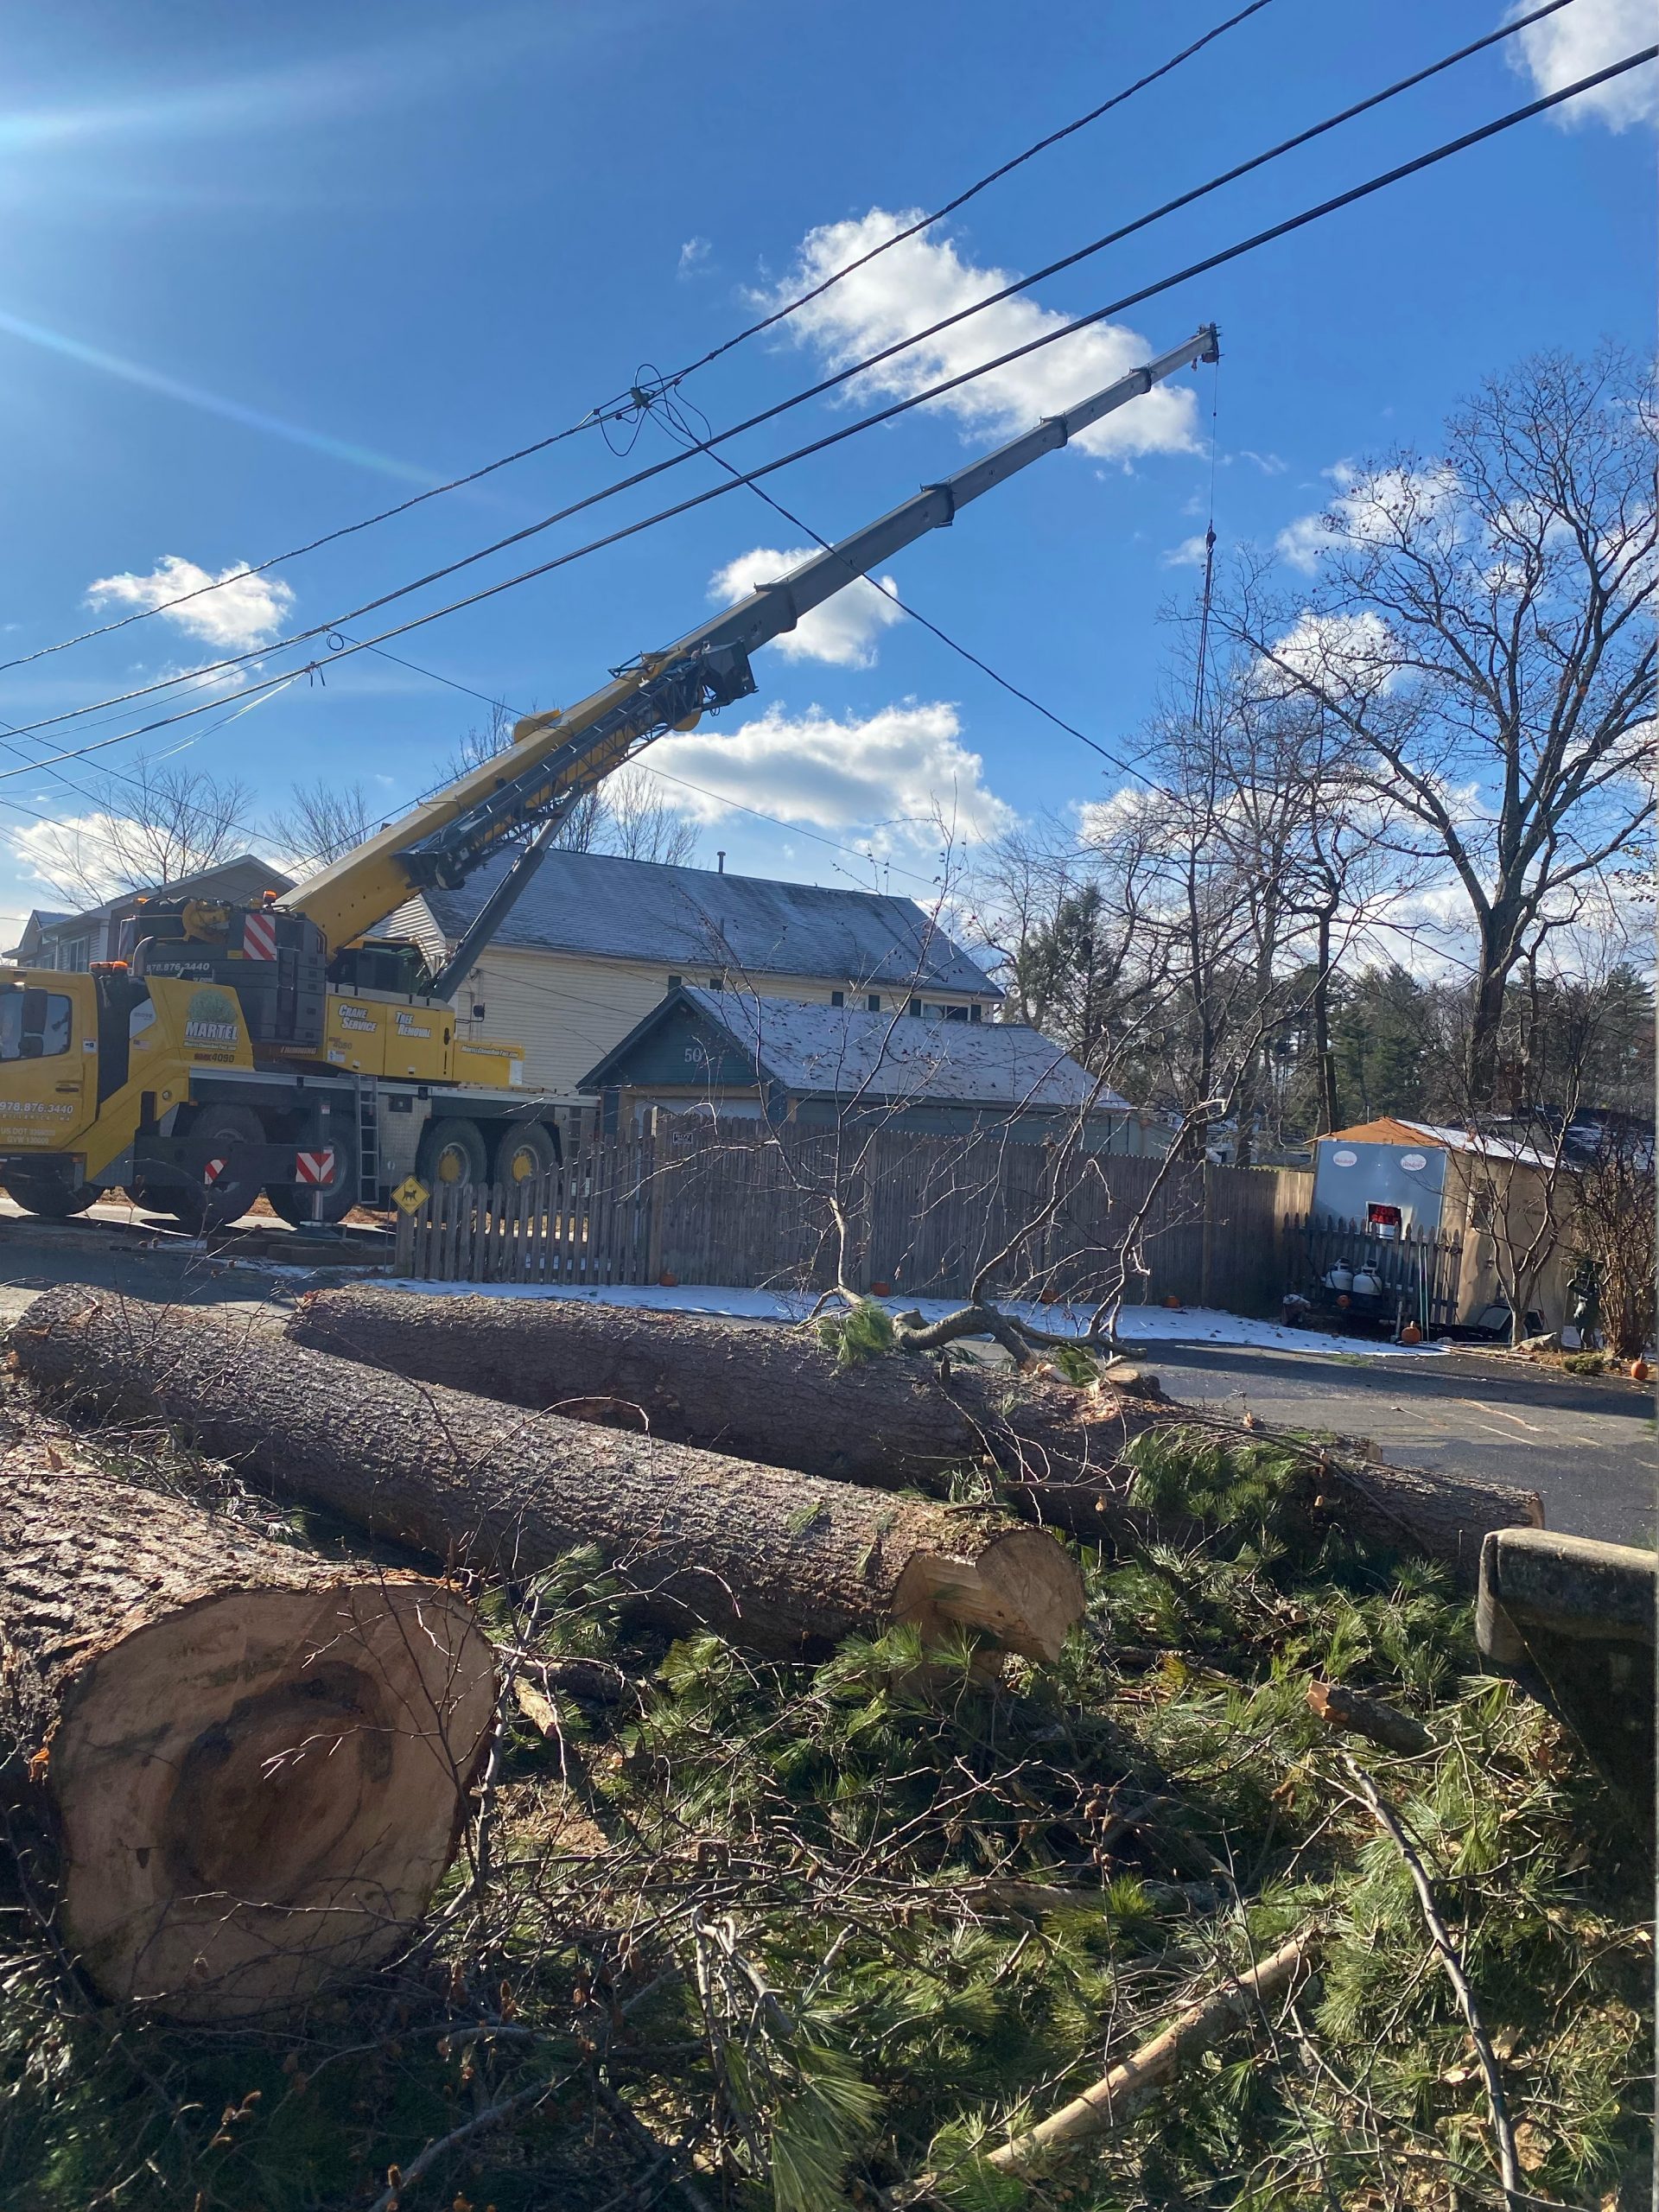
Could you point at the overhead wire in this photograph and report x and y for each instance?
(626, 407)
(1284, 228)
(640, 398)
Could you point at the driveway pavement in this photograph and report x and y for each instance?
(1587, 1447)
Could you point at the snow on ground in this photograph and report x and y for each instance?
(1138, 1325)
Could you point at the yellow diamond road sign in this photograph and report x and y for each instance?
(409, 1193)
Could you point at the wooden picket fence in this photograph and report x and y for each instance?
(753, 1208)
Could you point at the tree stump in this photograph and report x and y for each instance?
(248, 1767)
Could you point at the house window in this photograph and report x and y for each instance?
(974, 1013)
(674, 982)
(74, 954)
(837, 998)
(956, 1013)
(716, 984)
(915, 1007)
(1480, 1207)
(873, 1002)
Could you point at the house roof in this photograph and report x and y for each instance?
(837, 1051)
(207, 879)
(1390, 1130)
(604, 908)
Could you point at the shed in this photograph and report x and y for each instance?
(742, 1055)
(1390, 1176)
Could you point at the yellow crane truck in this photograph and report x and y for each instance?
(283, 1047)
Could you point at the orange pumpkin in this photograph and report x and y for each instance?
(1173, 1303)
(881, 1290)
(1411, 1334)
(1640, 1371)
(668, 1281)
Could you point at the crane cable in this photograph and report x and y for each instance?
(1209, 564)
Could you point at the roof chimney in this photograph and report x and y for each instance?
(720, 858)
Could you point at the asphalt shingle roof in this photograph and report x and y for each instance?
(601, 907)
(841, 1049)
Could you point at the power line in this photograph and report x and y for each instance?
(1282, 229)
(824, 384)
(627, 406)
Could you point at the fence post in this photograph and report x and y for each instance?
(649, 1196)
(403, 1257)
(1207, 1250)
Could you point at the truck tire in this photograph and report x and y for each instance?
(523, 1150)
(293, 1200)
(452, 1151)
(212, 1205)
(51, 1200)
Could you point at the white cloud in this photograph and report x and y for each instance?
(890, 779)
(1300, 543)
(693, 254)
(76, 856)
(1367, 509)
(1189, 554)
(914, 285)
(1579, 40)
(1344, 654)
(243, 610)
(842, 631)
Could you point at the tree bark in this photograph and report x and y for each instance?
(245, 1767)
(776, 1394)
(772, 1559)
(773, 1394)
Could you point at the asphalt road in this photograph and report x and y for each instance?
(1584, 1445)
(1587, 1447)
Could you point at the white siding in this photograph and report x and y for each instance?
(567, 1012)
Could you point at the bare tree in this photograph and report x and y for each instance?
(633, 820)
(1613, 1233)
(321, 821)
(1480, 627)
(148, 827)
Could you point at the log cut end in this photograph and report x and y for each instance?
(257, 1794)
(1020, 1588)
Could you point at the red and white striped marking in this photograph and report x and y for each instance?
(314, 1166)
(213, 1170)
(259, 937)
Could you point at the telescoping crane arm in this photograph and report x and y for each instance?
(555, 757)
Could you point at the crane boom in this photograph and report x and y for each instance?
(557, 756)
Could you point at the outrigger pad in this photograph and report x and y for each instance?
(1572, 1622)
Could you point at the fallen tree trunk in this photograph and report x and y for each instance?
(243, 1768)
(776, 1394)
(773, 1558)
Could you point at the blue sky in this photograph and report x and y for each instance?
(262, 272)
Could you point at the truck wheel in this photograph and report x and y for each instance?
(452, 1152)
(211, 1205)
(293, 1200)
(50, 1199)
(523, 1151)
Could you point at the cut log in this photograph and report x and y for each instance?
(773, 1394)
(776, 1394)
(248, 1766)
(772, 1559)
